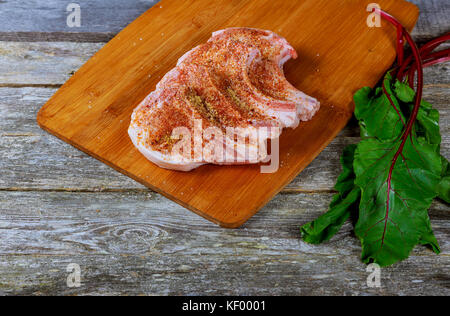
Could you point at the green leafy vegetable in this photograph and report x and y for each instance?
(390, 199)
(343, 205)
(392, 176)
(444, 185)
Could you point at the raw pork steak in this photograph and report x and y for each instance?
(221, 103)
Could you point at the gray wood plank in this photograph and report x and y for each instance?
(433, 20)
(236, 274)
(42, 63)
(31, 20)
(97, 16)
(78, 37)
(47, 64)
(33, 159)
(141, 243)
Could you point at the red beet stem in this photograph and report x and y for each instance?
(432, 45)
(412, 119)
(429, 60)
(437, 57)
(418, 64)
(436, 61)
(425, 51)
(418, 56)
(400, 45)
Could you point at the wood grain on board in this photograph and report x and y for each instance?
(338, 54)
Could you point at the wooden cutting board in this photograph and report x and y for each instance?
(338, 54)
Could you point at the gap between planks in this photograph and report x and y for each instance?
(57, 86)
(143, 190)
(77, 37)
(31, 85)
(67, 37)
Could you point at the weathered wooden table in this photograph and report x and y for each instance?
(59, 206)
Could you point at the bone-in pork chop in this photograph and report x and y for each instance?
(221, 103)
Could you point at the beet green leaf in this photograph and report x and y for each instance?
(393, 212)
(344, 204)
(389, 179)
